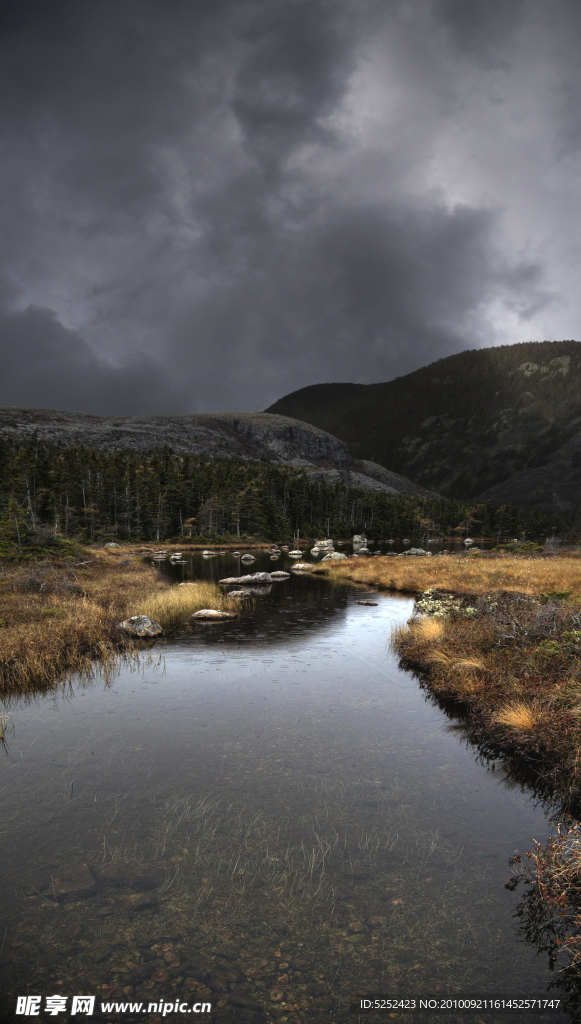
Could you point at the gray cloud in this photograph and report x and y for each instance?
(207, 205)
(44, 365)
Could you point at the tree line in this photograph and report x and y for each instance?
(50, 492)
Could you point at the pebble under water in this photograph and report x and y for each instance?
(268, 814)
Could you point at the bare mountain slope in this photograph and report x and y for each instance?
(257, 436)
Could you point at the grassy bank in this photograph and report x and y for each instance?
(502, 635)
(479, 573)
(58, 616)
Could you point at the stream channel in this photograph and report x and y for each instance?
(268, 814)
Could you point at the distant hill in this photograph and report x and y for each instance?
(261, 437)
(501, 424)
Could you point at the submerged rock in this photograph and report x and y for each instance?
(129, 876)
(140, 626)
(74, 882)
(213, 615)
(138, 901)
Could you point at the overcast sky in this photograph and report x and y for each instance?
(207, 204)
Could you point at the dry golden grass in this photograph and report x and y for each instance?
(518, 715)
(428, 629)
(58, 617)
(172, 606)
(465, 573)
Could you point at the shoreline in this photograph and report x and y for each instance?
(59, 616)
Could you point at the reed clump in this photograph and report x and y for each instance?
(550, 907)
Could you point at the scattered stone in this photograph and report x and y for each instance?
(239, 594)
(140, 626)
(71, 883)
(302, 567)
(334, 555)
(213, 615)
(280, 575)
(248, 558)
(112, 544)
(414, 551)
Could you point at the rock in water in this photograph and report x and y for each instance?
(416, 551)
(213, 615)
(239, 594)
(302, 567)
(71, 883)
(280, 575)
(335, 556)
(122, 875)
(373, 603)
(253, 577)
(140, 626)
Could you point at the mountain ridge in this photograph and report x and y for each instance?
(262, 437)
(497, 424)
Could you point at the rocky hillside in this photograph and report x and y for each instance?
(255, 436)
(502, 424)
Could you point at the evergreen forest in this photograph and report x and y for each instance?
(52, 493)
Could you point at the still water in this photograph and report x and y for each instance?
(266, 813)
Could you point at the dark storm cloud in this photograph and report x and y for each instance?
(44, 365)
(209, 204)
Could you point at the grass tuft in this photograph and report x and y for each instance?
(518, 715)
(429, 630)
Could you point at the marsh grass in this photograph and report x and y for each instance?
(550, 908)
(549, 576)
(57, 618)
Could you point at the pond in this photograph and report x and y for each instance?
(268, 814)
